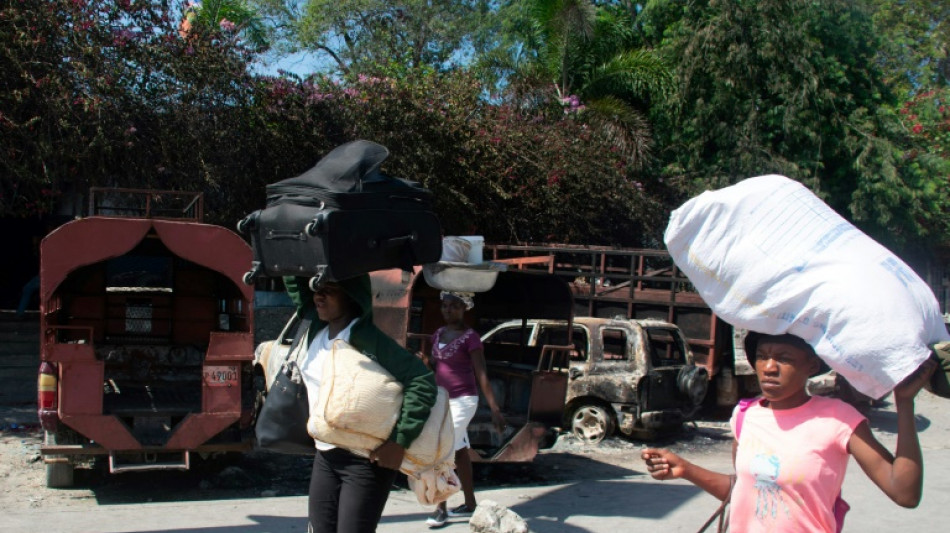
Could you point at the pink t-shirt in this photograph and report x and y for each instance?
(790, 465)
(453, 363)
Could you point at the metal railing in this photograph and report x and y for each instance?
(146, 203)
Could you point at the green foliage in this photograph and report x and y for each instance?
(915, 48)
(361, 35)
(584, 103)
(227, 17)
(591, 57)
(792, 87)
(138, 102)
(496, 170)
(102, 93)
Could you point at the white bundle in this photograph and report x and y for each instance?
(359, 401)
(769, 256)
(435, 485)
(359, 404)
(436, 444)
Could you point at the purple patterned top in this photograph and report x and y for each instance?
(453, 363)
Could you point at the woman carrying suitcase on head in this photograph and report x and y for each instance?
(348, 492)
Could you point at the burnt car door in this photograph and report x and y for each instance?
(609, 371)
(665, 350)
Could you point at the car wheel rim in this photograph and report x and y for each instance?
(590, 424)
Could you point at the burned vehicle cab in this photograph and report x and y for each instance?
(529, 381)
(637, 376)
(147, 336)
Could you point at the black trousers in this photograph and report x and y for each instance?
(347, 493)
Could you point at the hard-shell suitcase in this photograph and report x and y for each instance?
(343, 218)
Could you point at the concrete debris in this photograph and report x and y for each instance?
(492, 517)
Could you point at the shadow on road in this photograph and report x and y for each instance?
(580, 502)
(886, 421)
(263, 524)
(254, 475)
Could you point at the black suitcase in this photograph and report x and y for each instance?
(343, 218)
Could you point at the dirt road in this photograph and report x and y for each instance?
(570, 489)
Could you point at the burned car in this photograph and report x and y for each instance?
(637, 376)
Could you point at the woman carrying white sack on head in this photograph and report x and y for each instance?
(458, 360)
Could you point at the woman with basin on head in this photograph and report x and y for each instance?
(791, 449)
(458, 360)
(348, 492)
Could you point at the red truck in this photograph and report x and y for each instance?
(146, 336)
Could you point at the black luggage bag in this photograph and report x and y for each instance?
(343, 218)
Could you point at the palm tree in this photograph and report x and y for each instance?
(588, 54)
(231, 17)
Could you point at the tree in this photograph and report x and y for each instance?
(507, 173)
(370, 36)
(590, 56)
(915, 47)
(225, 18)
(104, 93)
(792, 87)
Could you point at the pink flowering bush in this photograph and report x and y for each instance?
(141, 97)
(508, 173)
(106, 93)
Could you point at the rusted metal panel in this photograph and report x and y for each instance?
(106, 430)
(92, 240)
(548, 390)
(80, 387)
(132, 370)
(196, 429)
(214, 247)
(84, 242)
(521, 448)
(226, 346)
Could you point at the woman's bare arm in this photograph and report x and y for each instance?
(664, 464)
(900, 476)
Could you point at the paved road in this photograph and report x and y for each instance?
(622, 498)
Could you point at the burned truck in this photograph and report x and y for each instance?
(146, 337)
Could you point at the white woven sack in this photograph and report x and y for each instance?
(769, 256)
(436, 444)
(359, 401)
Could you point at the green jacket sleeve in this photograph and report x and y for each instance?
(299, 292)
(419, 390)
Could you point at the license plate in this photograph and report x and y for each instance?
(221, 376)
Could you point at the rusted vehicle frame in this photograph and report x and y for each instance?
(648, 388)
(94, 331)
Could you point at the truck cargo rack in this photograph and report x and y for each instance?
(631, 282)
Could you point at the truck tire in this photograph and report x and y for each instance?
(693, 382)
(591, 423)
